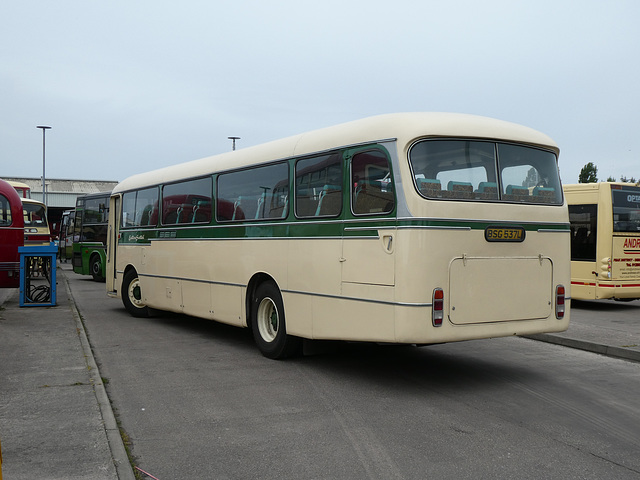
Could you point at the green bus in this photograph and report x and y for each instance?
(90, 235)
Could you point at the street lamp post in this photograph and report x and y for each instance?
(44, 195)
(233, 139)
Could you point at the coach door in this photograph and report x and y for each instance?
(112, 242)
(368, 247)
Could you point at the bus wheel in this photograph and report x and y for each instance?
(132, 296)
(268, 324)
(96, 268)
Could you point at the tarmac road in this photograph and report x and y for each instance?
(197, 400)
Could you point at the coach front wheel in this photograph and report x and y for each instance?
(132, 295)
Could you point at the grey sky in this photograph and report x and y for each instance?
(129, 86)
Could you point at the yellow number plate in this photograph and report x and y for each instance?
(504, 234)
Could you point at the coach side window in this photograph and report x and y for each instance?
(318, 188)
(187, 202)
(5, 212)
(135, 204)
(253, 194)
(371, 184)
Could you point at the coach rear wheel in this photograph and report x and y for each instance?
(132, 295)
(268, 324)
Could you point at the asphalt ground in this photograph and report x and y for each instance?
(56, 420)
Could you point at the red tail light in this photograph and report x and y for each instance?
(438, 307)
(560, 302)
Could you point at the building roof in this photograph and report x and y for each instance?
(57, 185)
(62, 193)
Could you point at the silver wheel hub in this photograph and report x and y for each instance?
(268, 320)
(134, 293)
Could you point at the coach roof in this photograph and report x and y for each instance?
(405, 127)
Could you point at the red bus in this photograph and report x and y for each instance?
(11, 235)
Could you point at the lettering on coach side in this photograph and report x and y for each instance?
(626, 259)
(631, 243)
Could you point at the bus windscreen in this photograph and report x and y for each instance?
(626, 208)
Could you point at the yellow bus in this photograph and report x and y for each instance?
(23, 189)
(414, 228)
(36, 226)
(605, 240)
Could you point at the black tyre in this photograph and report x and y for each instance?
(268, 324)
(132, 295)
(96, 268)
